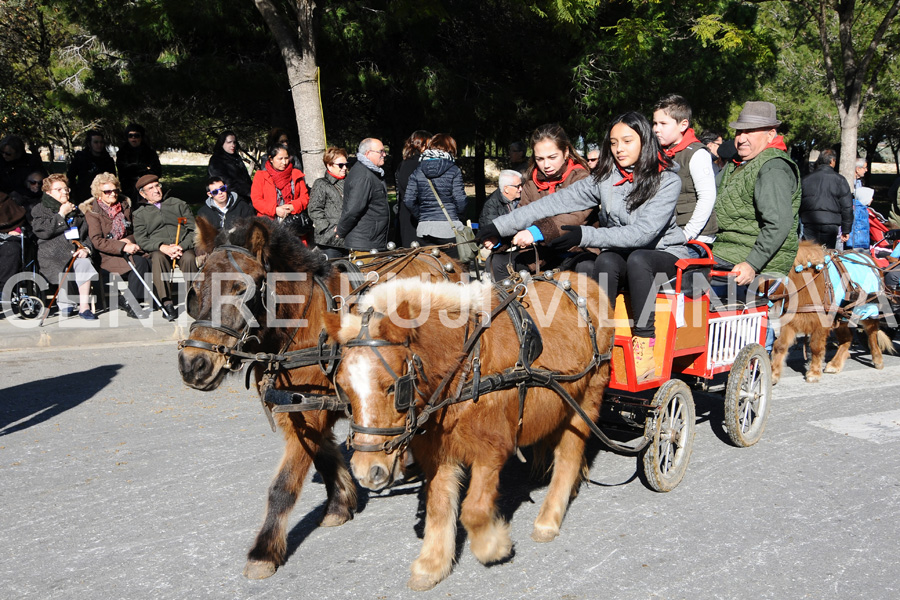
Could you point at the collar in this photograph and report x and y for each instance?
(686, 140)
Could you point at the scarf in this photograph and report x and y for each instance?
(338, 177)
(50, 202)
(369, 164)
(547, 184)
(688, 139)
(115, 213)
(777, 143)
(282, 180)
(432, 154)
(628, 172)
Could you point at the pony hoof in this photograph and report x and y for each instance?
(878, 365)
(830, 369)
(421, 583)
(333, 520)
(812, 378)
(257, 569)
(541, 535)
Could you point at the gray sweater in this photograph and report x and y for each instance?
(652, 225)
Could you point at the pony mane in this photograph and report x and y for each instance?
(809, 252)
(285, 252)
(434, 296)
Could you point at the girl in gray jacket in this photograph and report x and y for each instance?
(636, 188)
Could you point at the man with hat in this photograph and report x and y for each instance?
(155, 229)
(758, 199)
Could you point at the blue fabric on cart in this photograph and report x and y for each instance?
(863, 271)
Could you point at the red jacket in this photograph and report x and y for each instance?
(265, 198)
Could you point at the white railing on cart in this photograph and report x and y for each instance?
(727, 335)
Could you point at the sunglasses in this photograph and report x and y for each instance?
(133, 135)
(340, 165)
(218, 191)
(110, 192)
(30, 182)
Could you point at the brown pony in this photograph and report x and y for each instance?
(809, 312)
(244, 257)
(423, 327)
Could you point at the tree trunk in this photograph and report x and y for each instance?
(299, 55)
(849, 141)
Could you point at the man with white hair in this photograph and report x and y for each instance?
(861, 169)
(365, 218)
(504, 199)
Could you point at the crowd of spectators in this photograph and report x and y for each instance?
(109, 214)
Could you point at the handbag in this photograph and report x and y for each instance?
(465, 237)
(300, 222)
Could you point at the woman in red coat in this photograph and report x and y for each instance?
(279, 190)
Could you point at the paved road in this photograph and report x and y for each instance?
(120, 482)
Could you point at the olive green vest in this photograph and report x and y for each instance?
(736, 212)
(687, 199)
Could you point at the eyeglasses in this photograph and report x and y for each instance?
(60, 190)
(382, 152)
(38, 182)
(218, 191)
(132, 136)
(110, 192)
(340, 165)
(517, 186)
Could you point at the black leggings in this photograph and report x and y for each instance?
(643, 271)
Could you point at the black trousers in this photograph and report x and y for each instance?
(825, 235)
(430, 240)
(639, 271)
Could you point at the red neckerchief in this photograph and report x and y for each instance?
(626, 176)
(629, 175)
(777, 143)
(551, 185)
(336, 176)
(686, 140)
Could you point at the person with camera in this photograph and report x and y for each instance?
(164, 227)
(279, 192)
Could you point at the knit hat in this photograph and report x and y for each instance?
(755, 115)
(146, 179)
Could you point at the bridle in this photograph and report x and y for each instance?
(521, 376)
(251, 300)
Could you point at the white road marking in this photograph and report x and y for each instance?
(881, 427)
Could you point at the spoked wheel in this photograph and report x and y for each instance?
(747, 395)
(28, 299)
(671, 433)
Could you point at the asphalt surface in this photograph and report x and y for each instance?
(120, 482)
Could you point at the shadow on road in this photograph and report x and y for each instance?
(23, 406)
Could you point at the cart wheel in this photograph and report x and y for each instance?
(747, 395)
(671, 433)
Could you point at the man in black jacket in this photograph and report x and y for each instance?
(826, 206)
(366, 215)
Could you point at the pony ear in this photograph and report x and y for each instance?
(206, 235)
(333, 325)
(258, 241)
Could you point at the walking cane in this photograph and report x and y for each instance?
(181, 221)
(62, 282)
(130, 261)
